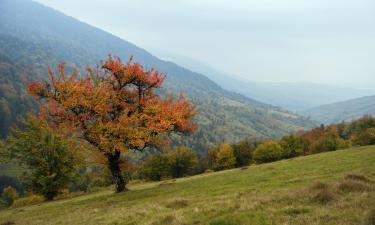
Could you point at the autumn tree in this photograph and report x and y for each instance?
(225, 158)
(292, 146)
(268, 152)
(115, 109)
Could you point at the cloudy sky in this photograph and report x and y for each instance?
(321, 41)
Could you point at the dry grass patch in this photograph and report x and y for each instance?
(356, 177)
(370, 217)
(177, 204)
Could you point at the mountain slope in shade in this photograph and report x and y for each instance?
(343, 111)
(36, 36)
(294, 96)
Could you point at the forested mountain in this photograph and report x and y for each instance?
(343, 111)
(33, 36)
(294, 96)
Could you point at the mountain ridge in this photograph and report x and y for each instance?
(343, 111)
(53, 37)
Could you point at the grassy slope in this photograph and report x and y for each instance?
(262, 194)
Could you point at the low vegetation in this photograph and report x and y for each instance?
(328, 188)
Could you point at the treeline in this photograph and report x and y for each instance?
(255, 150)
(58, 165)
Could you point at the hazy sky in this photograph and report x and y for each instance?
(324, 41)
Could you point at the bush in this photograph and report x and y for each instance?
(49, 156)
(29, 200)
(268, 152)
(292, 146)
(243, 151)
(9, 195)
(156, 167)
(329, 142)
(364, 137)
(225, 158)
(182, 161)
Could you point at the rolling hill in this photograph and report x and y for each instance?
(329, 188)
(33, 36)
(343, 111)
(294, 96)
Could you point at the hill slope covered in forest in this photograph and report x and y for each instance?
(343, 111)
(33, 36)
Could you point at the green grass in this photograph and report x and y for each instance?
(275, 193)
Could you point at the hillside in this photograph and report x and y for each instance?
(343, 111)
(284, 192)
(33, 36)
(294, 96)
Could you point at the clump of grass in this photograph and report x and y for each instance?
(353, 186)
(177, 204)
(296, 210)
(370, 218)
(166, 220)
(223, 222)
(322, 193)
(244, 168)
(8, 223)
(356, 177)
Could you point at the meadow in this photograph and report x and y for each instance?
(328, 188)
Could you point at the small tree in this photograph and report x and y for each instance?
(225, 158)
(114, 109)
(292, 146)
(268, 152)
(49, 157)
(243, 151)
(156, 167)
(182, 161)
(364, 137)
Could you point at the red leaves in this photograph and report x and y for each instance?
(116, 110)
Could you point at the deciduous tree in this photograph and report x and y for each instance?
(115, 109)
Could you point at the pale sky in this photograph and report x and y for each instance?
(321, 41)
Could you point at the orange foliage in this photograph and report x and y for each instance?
(114, 109)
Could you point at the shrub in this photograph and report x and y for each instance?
(49, 156)
(182, 161)
(9, 195)
(156, 167)
(364, 137)
(243, 151)
(225, 158)
(292, 146)
(29, 200)
(268, 152)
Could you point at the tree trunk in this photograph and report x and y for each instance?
(114, 167)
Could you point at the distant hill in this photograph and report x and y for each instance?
(294, 96)
(343, 111)
(33, 36)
